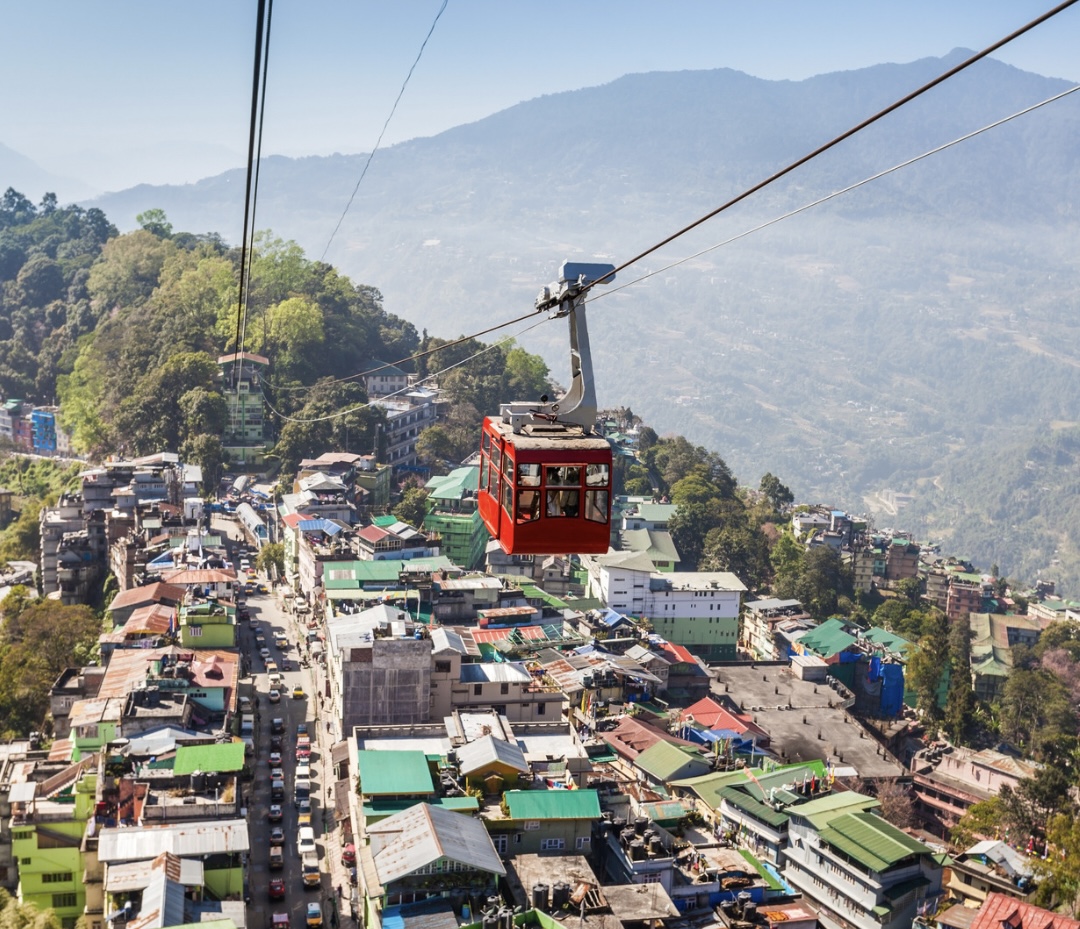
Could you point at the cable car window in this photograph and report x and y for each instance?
(564, 476)
(485, 443)
(508, 469)
(495, 455)
(528, 475)
(596, 475)
(508, 497)
(562, 502)
(596, 506)
(483, 473)
(493, 479)
(528, 505)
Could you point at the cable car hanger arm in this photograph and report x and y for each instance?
(566, 297)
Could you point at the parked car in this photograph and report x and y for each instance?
(286, 665)
(275, 815)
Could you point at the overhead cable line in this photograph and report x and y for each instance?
(378, 141)
(840, 192)
(265, 8)
(428, 377)
(414, 357)
(821, 149)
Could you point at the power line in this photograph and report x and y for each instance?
(378, 141)
(841, 191)
(978, 56)
(413, 357)
(432, 376)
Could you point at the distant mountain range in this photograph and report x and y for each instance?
(916, 336)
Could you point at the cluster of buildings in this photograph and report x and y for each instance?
(605, 740)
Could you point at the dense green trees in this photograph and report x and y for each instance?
(38, 639)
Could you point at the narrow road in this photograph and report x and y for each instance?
(268, 619)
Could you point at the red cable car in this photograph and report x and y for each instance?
(545, 475)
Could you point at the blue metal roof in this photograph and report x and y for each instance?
(319, 525)
(613, 618)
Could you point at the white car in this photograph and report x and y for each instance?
(303, 772)
(305, 840)
(264, 653)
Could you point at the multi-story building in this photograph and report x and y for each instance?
(993, 637)
(858, 870)
(453, 515)
(245, 438)
(384, 379)
(761, 619)
(407, 415)
(948, 780)
(696, 609)
(50, 807)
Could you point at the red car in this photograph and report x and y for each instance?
(348, 854)
(277, 888)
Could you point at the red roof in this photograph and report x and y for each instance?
(710, 714)
(631, 737)
(373, 533)
(293, 520)
(678, 652)
(201, 576)
(1002, 912)
(151, 593)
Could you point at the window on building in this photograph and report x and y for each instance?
(25, 861)
(501, 843)
(59, 877)
(504, 688)
(64, 900)
(477, 689)
(531, 824)
(653, 878)
(541, 709)
(194, 631)
(552, 845)
(584, 841)
(22, 834)
(442, 667)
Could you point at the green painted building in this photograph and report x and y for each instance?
(245, 438)
(47, 826)
(208, 625)
(453, 513)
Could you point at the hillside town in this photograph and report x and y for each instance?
(400, 725)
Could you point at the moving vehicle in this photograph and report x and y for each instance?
(277, 835)
(309, 866)
(264, 653)
(275, 759)
(298, 693)
(277, 774)
(314, 915)
(274, 696)
(276, 743)
(279, 920)
(277, 725)
(277, 790)
(276, 888)
(275, 815)
(277, 857)
(348, 854)
(545, 474)
(271, 666)
(305, 840)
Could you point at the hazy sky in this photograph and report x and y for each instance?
(122, 92)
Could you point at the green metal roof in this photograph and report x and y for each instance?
(828, 639)
(743, 800)
(384, 522)
(890, 640)
(553, 804)
(822, 810)
(709, 786)
(455, 485)
(381, 808)
(394, 773)
(532, 592)
(352, 575)
(209, 759)
(871, 841)
(664, 760)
